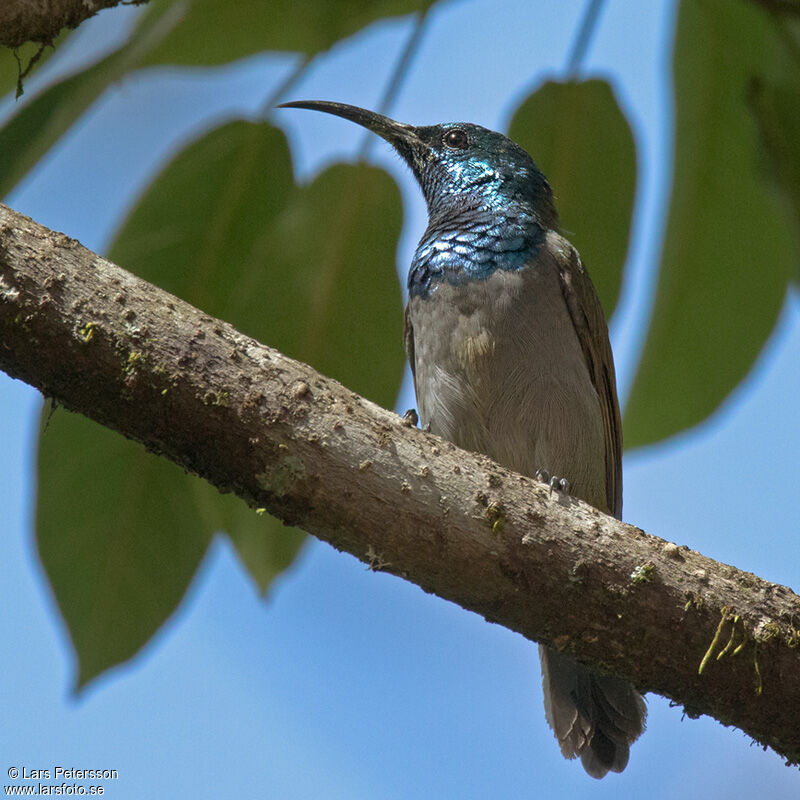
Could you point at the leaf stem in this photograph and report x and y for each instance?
(581, 43)
(792, 43)
(287, 83)
(398, 75)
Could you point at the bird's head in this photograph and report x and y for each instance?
(459, 165)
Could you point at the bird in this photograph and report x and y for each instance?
(510, 355)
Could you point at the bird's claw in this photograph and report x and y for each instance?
(553, 481)
(410, 418)
(561, 484)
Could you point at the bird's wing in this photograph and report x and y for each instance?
(408, 340)
(590, 326)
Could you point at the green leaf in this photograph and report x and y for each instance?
(777, 111)
(334, 245)
(201, 232)
(216, 33)
(41, 122)
(225, 228)
(728, 248)
(201, 226)
(265, 547)
(581, 140)
(282, 264)
(310, 270)
(117, 541)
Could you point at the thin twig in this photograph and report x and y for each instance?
(581, 43)
(23, 73)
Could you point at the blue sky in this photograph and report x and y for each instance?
(346, 683)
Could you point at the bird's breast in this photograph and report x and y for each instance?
(472, 248)
(499, 370)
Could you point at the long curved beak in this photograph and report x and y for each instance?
(401, 136)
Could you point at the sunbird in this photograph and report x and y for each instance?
(510, 355)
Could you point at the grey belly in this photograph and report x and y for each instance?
(499, 370)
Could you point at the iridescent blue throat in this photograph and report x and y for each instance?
(472, 247)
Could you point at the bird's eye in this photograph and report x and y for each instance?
(456, 138)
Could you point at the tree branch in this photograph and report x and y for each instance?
(313, 453)
(42, 20)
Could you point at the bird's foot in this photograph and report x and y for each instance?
(553, 481)
(410, 418)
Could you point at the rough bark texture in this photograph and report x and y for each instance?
(307, 449)
(42, 20)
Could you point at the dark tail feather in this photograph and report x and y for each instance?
(594, 716)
